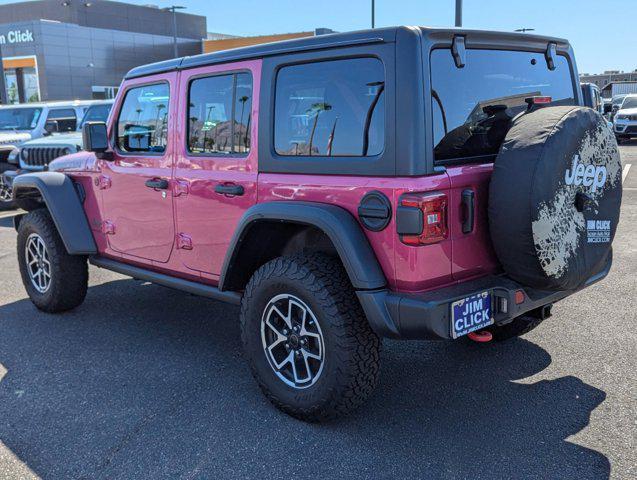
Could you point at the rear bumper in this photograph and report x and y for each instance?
(427, 316)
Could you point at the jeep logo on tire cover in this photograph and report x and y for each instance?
(593, 176)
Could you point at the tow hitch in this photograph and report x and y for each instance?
(481, 336)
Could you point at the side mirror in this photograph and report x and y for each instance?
(607, 107)
(95, 137)
(51, 126)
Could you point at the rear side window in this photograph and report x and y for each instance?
(473, 105)
(330, 108)
(65, 118)
(142, 125)
(220, 114)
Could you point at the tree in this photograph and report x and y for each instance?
(316, 110)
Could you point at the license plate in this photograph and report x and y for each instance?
(470, 314)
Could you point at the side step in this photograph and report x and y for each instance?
(195, 288)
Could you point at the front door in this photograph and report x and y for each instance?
(136, 184)
(216, 167)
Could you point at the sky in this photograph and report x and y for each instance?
(602, 32)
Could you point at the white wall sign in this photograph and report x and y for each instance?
(17, 36)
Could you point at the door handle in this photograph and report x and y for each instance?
(157, 183)
(229, 189)
(468, 207)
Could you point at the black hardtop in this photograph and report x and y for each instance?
(482, 38)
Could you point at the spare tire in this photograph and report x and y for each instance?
(554, 197)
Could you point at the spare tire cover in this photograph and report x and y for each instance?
(554, 197)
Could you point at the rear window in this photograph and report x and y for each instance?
(473, 105)
(331, 108)
(65, 118)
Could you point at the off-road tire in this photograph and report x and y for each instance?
(518, 327)
(69, 273)
(5, 205)
(351, 364)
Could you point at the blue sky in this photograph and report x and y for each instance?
(602, 32)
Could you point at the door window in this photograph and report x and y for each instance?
(142, 125)
(65, 117)
(331, 108)
(220, 114)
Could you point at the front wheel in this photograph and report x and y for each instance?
(54, 280)
(306, 338)
(6, 192)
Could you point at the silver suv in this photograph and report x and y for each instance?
(35, 155)
(625, 120)
(34, 134)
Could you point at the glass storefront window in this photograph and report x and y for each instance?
(22, 85)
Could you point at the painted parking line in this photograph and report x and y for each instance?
(625, 171)
(9, 214)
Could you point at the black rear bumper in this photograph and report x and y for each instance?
(427, 316)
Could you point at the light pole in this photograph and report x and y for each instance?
(458, 13)
(174, 9)
(373, 13)
(3, 87)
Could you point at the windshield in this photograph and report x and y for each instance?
(96, 113)
(629, 102)
(617, 100)
(473, 106)
(19, 118)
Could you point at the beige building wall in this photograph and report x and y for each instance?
(228, 43)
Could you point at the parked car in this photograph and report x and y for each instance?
(616, 103)
(340, 189)
(626, 118)
(21, 123)
(592, 97)
(35, 155)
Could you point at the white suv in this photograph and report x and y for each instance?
(625, 122)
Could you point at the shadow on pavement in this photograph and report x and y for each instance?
(144, 382)
(6, 222)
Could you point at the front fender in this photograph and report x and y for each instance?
(58, 193)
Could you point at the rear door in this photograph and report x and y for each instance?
(216, 167)
(472, 111)
(137, 181)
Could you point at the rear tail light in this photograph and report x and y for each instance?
(426, 218)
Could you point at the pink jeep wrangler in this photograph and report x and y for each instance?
(406, 182)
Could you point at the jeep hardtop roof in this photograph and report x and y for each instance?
(474, 38)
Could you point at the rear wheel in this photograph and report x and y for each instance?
(6, 193)
(54, 280)
(306, 338)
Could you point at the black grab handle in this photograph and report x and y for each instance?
(157, 183)
(468, 205)
(229, 189)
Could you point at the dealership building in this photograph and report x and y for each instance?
(62, 50)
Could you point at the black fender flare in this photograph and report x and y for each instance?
(338, 224)
(58, 193)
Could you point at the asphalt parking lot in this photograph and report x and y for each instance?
(145, 382)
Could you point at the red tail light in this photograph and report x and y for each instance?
(432, 220)
(538, 100)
